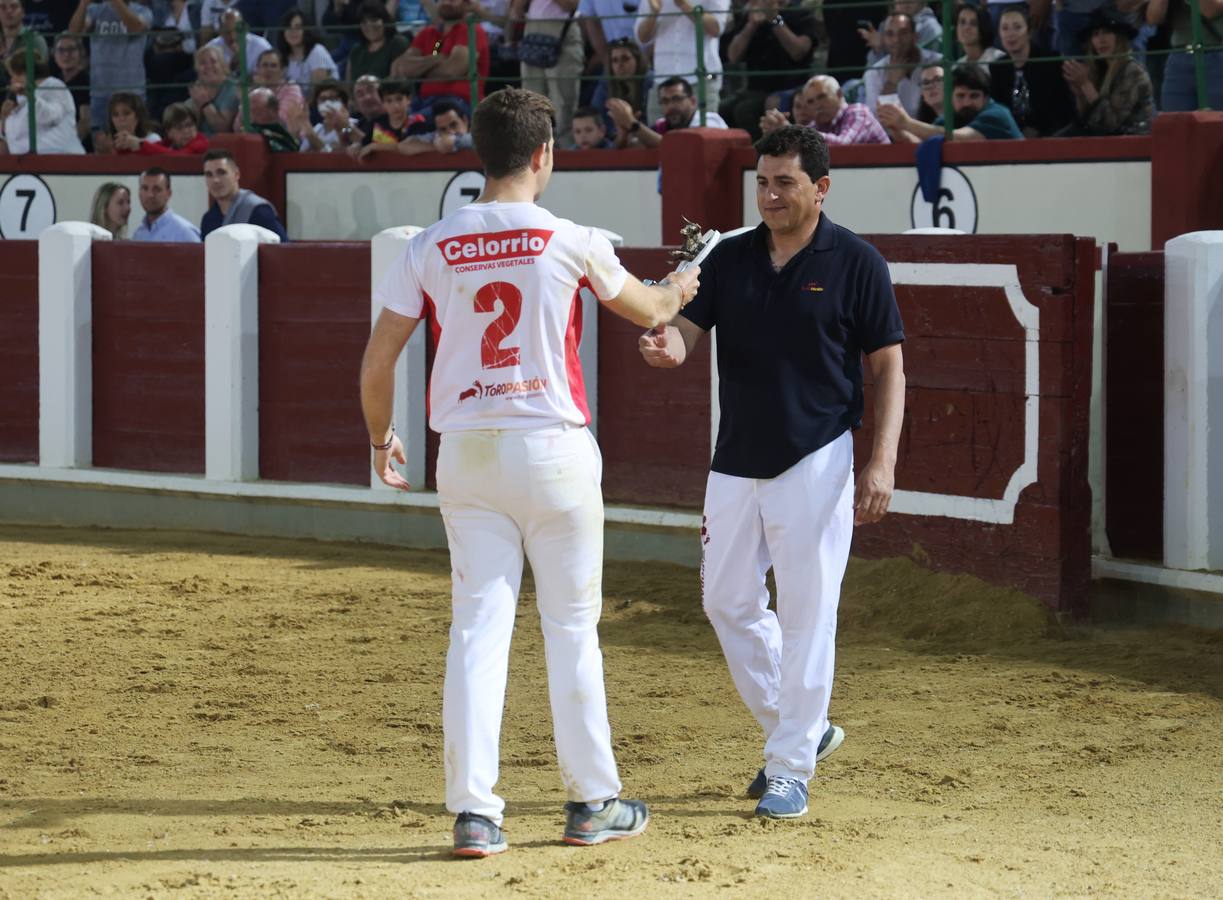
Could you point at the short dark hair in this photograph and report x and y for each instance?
(177, 115)
(219, 153)
(135, 103)
(796, 140)
(271, 51)
(16, 64)
(441, 107)
(507, 127)
(972, 77)
(154, 171)
(676, 81)
(397, 88)
(328, 84)
(589, 112)
(373, 9)
(985, 25)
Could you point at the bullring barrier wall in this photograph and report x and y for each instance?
(992, 471)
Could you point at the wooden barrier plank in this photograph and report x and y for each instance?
(19, 351)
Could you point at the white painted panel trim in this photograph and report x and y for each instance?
(1102, 567)
(231, 351)
(408, 408)
(980, 509)
(65, 343)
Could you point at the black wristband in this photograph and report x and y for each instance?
(390, 440)
(636, 126)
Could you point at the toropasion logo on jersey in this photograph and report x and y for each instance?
(479, 391)
(468, 250)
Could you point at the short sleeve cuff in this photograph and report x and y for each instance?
(886, 340)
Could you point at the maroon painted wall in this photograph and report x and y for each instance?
(148, 356)
(653, 423)
(19, 351)
(314, 321)
(1186, 178)
(1134, 411)
(963, 431)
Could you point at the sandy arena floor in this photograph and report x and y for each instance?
(202, 716)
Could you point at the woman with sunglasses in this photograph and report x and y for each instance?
(629, 80)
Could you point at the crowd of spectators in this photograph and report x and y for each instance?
(365, 77)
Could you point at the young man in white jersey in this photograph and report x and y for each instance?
(517, 470)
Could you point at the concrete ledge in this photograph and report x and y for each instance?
(1134, 593)
(30, 495)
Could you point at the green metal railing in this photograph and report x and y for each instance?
(700, 74)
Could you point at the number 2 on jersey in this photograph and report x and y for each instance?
(492, 354)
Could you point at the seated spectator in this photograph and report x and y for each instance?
(438, 59)
(160, 223)
(380, 45)
(12, 29)
(629, 80)
(589, 132)
(111, 208)
(231, 204)
(308, 61)
(1178, 92)
(554, 19)
(926, 25)
(214, 94)
(680, 110)
(180, 126)
(932, 94)
(766, 39)
(54, 111)
(668, 26)
(977, 116)
(265, 120)
(127, 123)
(270, 73)
(367, 97)
(116, 55)
(227, 43)
(71, 66)
(211, 12)
(1112, 93)
(838, 121)
(390, 129)
(451, 131)
(974, 32)
(336, 129)
(899, 72)
(1034, 92)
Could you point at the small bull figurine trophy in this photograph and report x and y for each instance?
(695, 248)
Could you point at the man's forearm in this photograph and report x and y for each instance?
(797, 46)
(377, 399)
(889, 411)
(131, 21)
(648, 137)
(739, 43)
(415, 66)
(76, 24)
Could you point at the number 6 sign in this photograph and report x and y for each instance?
(956, 206)
(26, 207)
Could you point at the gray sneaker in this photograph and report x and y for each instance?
(618, 819)
(828, 744)
(476, 836)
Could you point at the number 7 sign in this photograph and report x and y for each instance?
(27, 206)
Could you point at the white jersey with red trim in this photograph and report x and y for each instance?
(500, 283)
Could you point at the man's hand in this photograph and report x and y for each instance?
(621, 113)
(774, 119)
(891, 116)
(662, 347)
(386, 472)
(873, 493)
(687, 281)
(367, 150)
(443, 142)
(871, 37)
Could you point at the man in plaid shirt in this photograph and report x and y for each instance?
(823, 104)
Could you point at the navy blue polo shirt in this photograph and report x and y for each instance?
(790, 343)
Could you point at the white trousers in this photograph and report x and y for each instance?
(799, 523)
(503, 492)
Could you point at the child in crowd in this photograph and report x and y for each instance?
(394, 125)
(182, 131)
(127, 123)
(589, 130)
(337, 130)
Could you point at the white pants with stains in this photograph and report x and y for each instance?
(503, 493)
(799, 523)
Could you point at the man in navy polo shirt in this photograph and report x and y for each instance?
(796, 302)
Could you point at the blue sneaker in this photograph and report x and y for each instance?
(828, 744)
(784, 798)
(618, 819)
(476, 836)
